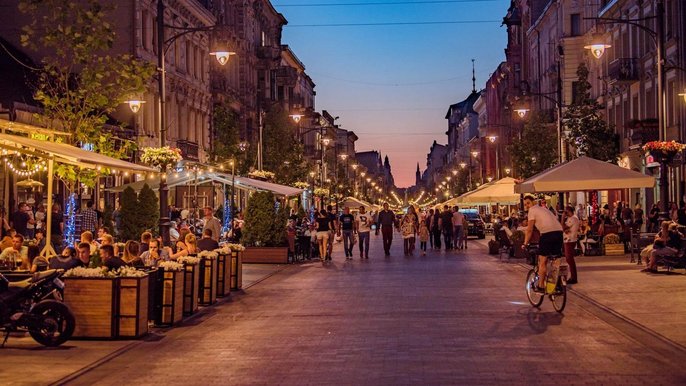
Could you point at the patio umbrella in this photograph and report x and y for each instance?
(29, 183)
(501, 191)
(584, 174)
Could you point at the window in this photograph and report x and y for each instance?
(145, 34)
(575, 24)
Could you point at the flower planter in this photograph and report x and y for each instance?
(207, 285)
(108, 307)
(223, 275)
(236, 270)
(268, 255)
(191, 277)
(614, 249)
(172, 298)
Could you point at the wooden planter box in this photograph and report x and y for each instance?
(191, 277)
(236, 270)
(108, 308)
(207, 286)
(93, 303)
(269, 255)
(172, 298)
(614, 249)
(223, 275)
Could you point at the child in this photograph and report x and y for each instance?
(423, 236)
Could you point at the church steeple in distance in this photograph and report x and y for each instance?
(473, 78)
(418, 176)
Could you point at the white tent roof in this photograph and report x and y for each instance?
(583, 174)
(241, 182)
(501, 192)
(354, 203)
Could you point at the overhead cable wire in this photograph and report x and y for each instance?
(392, 23)
(375, 3)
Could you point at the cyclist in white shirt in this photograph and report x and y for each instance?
(551, 240)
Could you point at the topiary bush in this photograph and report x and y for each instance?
(148, 209)
(260, 218)
(130, 225)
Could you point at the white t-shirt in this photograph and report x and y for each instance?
(572, 233)
(364, 222)
(545, 220)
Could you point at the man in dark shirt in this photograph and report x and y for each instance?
(21, 219)
(345, 227)
(109, 260)
(207, 243)
(66, 261)
(386, 221)
(333, 218)
(446, 224)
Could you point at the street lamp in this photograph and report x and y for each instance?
(507, 171)
(492, 138)
(163, 44)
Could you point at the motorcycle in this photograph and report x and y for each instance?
(35, 305)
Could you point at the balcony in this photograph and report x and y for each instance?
(623, 71)
(189, 150)
(269, 53)
(286, 76)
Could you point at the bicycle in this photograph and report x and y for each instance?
(557, 292)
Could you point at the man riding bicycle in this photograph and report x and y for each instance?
(551, 240)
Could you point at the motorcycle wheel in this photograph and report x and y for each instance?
(56, 323)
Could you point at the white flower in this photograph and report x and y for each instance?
(262, 174)
(208, 255)
(86, 272)
(161, 156)
(170, 265)
(190, 260)
(127, 272)
(227, 248)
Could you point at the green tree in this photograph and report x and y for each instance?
(589, 133)
(148, 209)
(80, 83)
(130, 223)
(260, 216)
(283, 153)
(536, 149)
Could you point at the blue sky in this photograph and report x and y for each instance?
(392, 84)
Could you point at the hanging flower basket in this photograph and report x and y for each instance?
(664, 151)
(161, 157)
(322, 192)
(301, 185)
(262, 175)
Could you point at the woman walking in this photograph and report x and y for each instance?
(324, 226)
(408, 228)
(423, 237)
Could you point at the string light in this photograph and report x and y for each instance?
(23, 172)
(70, 224)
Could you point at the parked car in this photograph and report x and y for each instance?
(475, 224)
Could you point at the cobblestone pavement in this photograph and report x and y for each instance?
(445, 318)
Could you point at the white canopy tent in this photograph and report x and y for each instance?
(60, 153)
(500, 192)
(583, 174)
(354, 203)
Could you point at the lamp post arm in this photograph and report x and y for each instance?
(185, 31)
(634, 22)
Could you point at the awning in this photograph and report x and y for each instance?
(354, 203)
(583, 174)
(203, 178)
(500, 192)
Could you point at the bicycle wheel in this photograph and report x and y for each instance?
(559, 298)
(534, 297)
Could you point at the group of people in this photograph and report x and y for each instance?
(449, 223)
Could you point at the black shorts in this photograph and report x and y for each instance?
(550, 244)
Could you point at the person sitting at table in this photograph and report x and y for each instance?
(109, 259)
(130, 256)
(17, 255)
(207, 243)
(154, 254)
(145, 241)
(87, 237)
(38, 262)
(189, 248)
(66, 261)
(84, 251)
(667, 244)
(107, 239)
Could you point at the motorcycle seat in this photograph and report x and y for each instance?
(40, 275)
(20, 284)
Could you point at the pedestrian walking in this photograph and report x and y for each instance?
(324, 227)
(436, 229)
(570, 226)
(346, 228)
(363, 226)
(446, 225)
(464, 237)
(653, 217)
(89, 219)
(457, 227)
(334, 225)
(423, 236)
(429, 222)
(408, 229)
(638, 218)
(386, 221)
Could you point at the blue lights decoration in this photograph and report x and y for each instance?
(70, 223)
(228, 216)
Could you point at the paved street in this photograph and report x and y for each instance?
(447, 318)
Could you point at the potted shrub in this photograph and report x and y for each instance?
(264, 231)
(613, 245)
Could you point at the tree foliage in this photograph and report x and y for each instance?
(130, 225)
(148, 209)
(225, 145)
(283, 152)
(262, 223)
(589, 133)
(80, 82)
(536, 149)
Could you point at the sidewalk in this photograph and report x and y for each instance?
(24, 361)
(654, 301)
